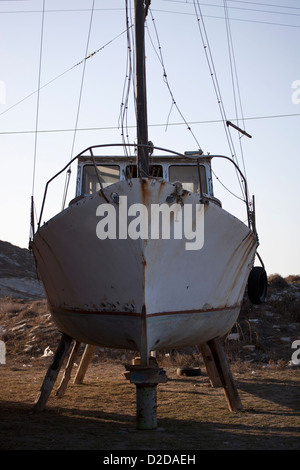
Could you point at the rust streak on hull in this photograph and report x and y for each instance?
(141, 293)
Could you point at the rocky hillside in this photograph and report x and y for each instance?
(266, 333)
(262, 334)
(18, 276)
(16, 262)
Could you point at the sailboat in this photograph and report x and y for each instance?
(144, 257)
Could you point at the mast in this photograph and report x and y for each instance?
(141, 95)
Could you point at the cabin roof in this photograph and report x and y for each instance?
(154, 159)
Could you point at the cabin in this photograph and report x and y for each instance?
(192, 169)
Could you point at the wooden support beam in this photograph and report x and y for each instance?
(210, 365)
(223, 368)
(52, 373)
(67, 374)
(85, 360)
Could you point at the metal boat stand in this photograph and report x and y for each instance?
(145, 377)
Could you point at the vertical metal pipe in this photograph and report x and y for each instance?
(146, 406)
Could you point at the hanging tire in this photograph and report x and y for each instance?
(257, 285)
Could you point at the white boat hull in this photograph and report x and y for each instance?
(143, 294)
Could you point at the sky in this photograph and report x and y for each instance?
(43, 44)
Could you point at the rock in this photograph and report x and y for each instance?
(286, 339)
(16, 262)
(21, 288)
(233, 336)
(47, 352)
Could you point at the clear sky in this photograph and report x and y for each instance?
(266, 41)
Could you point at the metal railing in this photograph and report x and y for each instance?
(250, 214)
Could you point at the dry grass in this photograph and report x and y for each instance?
(100, 414)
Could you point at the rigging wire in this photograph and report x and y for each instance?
(83, 76)
(80, 10)
(225, 187)
(183, 13)
(211, 66)
(38, 98)
(235, 81)
(255, 10)
(68, 173)
(214, 121)
(266, 4)
(89, 56)
(212, 69)
(160, 57)
(234, 19)
(32, 209)
(165, 78)
(128, 83)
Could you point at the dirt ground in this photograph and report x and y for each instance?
(100, 413)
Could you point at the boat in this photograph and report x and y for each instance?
(144, 257)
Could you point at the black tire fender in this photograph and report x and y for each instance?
(257, 285)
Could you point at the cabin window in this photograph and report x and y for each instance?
(189, 177)
(108, 174)
(155, 171)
